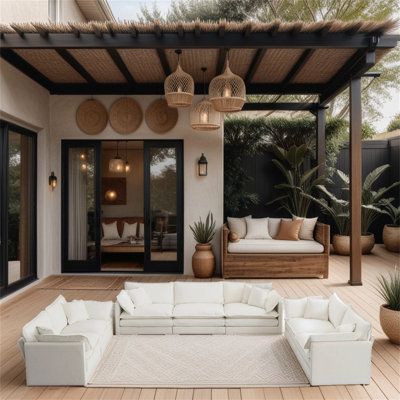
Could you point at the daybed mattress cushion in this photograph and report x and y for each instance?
(199, 310)
(272, 246)
(241, 310)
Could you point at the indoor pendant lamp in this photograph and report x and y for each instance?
(203, 116)
(227, 92)
(116, 164)
(179, 87)
(127, 165)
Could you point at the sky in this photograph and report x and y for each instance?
(129, 10)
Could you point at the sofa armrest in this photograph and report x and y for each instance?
(322, 235)
(280, 308)
(225, 238)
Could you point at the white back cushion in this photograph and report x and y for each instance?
(257, 297)
(126, 302)
(295, 308)
(29, 331)
(238, 225)
(139, 297)
(317, 309)
(75, 311)
(160, 293)
(57, 314)
(363, 328)
(272, 300)
(99, 309)
(337, 310)
(233, 292)
(199, 292)
(257, 228)
(247, 289)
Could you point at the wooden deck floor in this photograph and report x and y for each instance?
(385, 382)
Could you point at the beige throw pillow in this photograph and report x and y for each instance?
(307, 228)
(257, 228)
(289, 230)
(238, 225)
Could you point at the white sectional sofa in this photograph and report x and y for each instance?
(65, 349)
(331, 342)
(199, 308)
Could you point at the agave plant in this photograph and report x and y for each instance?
(389, 290)
(203, 232)
(300, 182)
(373, 203)
(394, 214)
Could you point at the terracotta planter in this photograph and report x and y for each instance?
(390, 323)
(391, 237)
(341, 244)
(203, 261)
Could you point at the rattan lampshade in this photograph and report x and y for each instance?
(227, 92)
(179, 87)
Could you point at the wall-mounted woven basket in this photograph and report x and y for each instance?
(159, 117)
(126, 115)
(91, 117)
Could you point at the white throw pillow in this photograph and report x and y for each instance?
(57, 314)
(331, 337)
(317, 309)
(257, 297)
(139, 297)
(238, 225)
(129, 230)
(75, 311)
(307, 228)
(346, 328)
(257, 228)
(337, 310)
(141, 230)
(247, 287)
(294, 308)
(110, 231)
(272, 300)
(362, 327)
(99, 309)
(126, 302)
(44, 330)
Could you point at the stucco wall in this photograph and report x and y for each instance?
(201, 194)
(25, 103)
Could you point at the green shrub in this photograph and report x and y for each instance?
(394, 123)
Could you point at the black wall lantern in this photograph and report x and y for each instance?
(52, 181)
(202, 165)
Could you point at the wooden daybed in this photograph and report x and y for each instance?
(277, 265)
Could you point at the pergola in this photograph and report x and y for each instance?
(321, 58)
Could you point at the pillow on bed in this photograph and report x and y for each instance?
(129, 230)
(110, 231)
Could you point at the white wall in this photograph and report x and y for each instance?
(201, 194)
(25, 103)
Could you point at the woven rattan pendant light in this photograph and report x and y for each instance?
(179, 87)
(203, 116)
(227, 92)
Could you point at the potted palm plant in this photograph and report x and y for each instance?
(373, 203)
(391, 232)
(203, 260)
(389, 314)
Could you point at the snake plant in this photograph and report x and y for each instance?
(203, 232)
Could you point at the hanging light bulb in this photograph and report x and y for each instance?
(116, 164)
(203, 116)
(127, 166)
(227, 91)
(179, 87)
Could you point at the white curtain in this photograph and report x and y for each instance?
(77, 207)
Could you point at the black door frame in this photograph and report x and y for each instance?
(79, 266)
(164, 266)
(5, 288)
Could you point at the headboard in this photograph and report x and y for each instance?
(120, 222)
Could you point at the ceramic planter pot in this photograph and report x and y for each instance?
(341, 244)
(390, 323)
(203, 261)
(391, 237)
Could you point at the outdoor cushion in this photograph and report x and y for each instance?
(99, 309)
(150, 311)
(199, 310)
(90, 339)
(88, 326)
(199, 292)
(199, 322)
(307, 227)
(251, 322)
(139, 297)
(257, 228)
(272, 246)
(295, 308)
(289, 230)
(257, 297)
(147, 322)
(125, 301)
(337, 309)
(233, 292)
(317, 309)
(304, 325)
(160, 293)
(57, 314)
(331, 337)
(238, 225)
(75, 311)
(363, 328)
(241, 310)
(247, 289)
(29, 331)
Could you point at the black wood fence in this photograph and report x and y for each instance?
(374, 153)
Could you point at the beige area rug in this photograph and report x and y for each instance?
(199, 361)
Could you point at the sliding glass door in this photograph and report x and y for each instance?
(163, 177)
(17, 207)
(80, 206)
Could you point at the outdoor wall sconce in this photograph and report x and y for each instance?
(202, 165)
(52, 181)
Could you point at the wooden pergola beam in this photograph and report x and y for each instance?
(255, 62)
(297, 67)
(163, 61)
(113, 53)
(67, 56)
(275, 106)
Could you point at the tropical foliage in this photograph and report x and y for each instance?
(389, 290)
(203, 232)
(299, 181)
(394, 214)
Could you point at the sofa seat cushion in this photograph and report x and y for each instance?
(150, 311)
(251, 322)
(199, 322)
(272, 246)
(241, 310)
(199, 310)
(303, 325)
(98, 326)
(145, 322)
